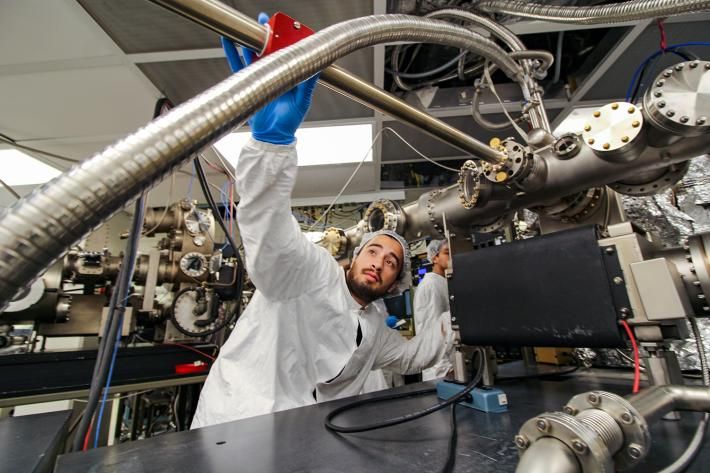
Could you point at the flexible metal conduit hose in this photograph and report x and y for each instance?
(613, 13)
(38, 229)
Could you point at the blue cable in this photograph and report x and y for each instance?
(97, 428)
(670, 49)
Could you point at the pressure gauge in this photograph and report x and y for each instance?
(193, 264)
(198, 221)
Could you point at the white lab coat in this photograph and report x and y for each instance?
(296, 341)
(431, 304)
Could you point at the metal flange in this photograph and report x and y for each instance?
(335, 241)
(637, 438)
(614, 132)
(384, 214)
(514, 167)
(668, 177)
(469, 184)
(677, 102)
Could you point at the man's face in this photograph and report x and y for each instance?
(442, 259)
(375, 270)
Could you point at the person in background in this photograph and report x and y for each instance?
(431, 301)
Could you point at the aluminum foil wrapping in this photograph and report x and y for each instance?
(674, 215)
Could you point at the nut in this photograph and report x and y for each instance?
(618, 280)
(542, 425)
(684, 119)
(670, 113)
(579, 446)
(700, 120)
(636, 124)
(631, 109)
(569, 410)
(661, 104)
(587, 128)
(590, 141)
(521, 442)
(626, 418)
(597, 114)
(593, 398)
(297, 25)
(606, 146)
(624, 139)
(614, 106)
(635, 451)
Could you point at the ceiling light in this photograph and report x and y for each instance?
(316, 146)
(20, 169)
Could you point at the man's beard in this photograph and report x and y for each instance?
(362, 290)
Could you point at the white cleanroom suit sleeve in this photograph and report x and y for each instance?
(418, 353)
(280, 261)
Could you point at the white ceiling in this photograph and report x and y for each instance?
(68, 88)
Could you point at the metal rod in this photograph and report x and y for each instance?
(233, 24)
(655, 402)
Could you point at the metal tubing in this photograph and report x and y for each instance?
(548, 455)
(232, 24)
(655, 402)
(614, 13)
(38, 229)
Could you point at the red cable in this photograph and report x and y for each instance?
(662, 30)
(637, 362)
(86, 437)
(193, 349)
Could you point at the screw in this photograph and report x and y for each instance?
(706, 308)
(590, 141)
(631, 109)
(658, 93)
(684, 119)
(587, 128)
(297, 25)
(618, 280)
(542, 425)
(667, 73)
(521, 442)
(660, 83)
(696, 283)
(707, 65)
(635, 451)
(614, 106)
(701, 296)
(606, 146)
(609, 250)
(624, 139)
(661, 104)
(570, 410)
(625, 312)
(593, 398)
(579, 446)
(636, 124)
(679, 67)
(670, 113)
(597, 114)
(691, 268)
(627, 418)
(451, 297)
(694, 64)
(700, 121)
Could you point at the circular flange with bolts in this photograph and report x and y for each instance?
(675, 103)
(637, 438)
(469, 183)
(335, 241)
(614, 132)
(384, 214)
(667, 178)
(698, 246)
(586, 444)
(513, 167)
(567, 146)
(493, 226)
(574, 208)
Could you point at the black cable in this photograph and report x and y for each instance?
(113, 322)
(215, 210)
(537, 375)
(407, 417)
(453, 440)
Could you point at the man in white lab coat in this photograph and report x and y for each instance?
(312, 332)
(431, 302)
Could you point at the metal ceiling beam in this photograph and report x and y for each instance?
(591, 80)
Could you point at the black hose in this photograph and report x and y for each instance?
(215, 210)
(407, 417)
(113, 322)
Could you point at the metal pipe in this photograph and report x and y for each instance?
(232, 24)
(614, 13)
(548, 455)
(38, 229)
(655, 402)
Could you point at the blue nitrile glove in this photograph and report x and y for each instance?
(278, 121)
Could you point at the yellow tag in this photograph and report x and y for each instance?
(494, 143)
(501, 176)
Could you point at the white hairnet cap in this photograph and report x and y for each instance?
(404, 280)
(433, 249)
